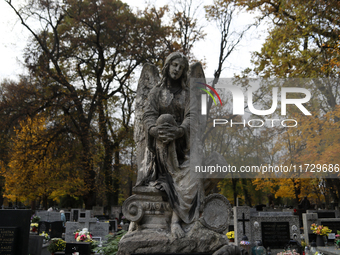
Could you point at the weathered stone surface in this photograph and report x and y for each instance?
(148, 209)
(198, 239)
(230, 250)
(216, 212)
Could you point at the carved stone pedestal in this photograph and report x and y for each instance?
(149, 241)
(149, 232)
(148, 209)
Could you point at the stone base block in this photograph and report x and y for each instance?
(199, 239)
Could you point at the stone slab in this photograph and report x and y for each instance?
(17, 219)
(198, 240)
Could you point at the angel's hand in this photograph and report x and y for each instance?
(168, 132)
(154, 132)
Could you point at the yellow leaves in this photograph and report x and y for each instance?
(37, 168)
(285, 190)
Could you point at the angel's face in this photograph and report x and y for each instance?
(176, 68)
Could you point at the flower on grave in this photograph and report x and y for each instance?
(338, 234)
(35, 218)
(56, 244)
(45, 235)
(289, 252)
(83, 235)
(320, 229)
(231, 235)
(34, 227)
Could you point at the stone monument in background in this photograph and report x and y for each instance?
(171, 211)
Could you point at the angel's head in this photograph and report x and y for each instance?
(176, 67)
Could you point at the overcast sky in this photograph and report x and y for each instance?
(14, 37)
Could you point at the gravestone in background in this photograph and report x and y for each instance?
(279, 226)
(35, 244)
(99, 229)
(125, 226)
(333, 224)
(308, 219)
(68, 216)
(325, 214)
(9, 240)
(71, 227)
(102, 217)
(81, 248)
(275, 234)
(75, 214)
(312, 216)
(116, 211)
(48, 216)
(241, 222)
(97, 210)
(54, 229)
(14, 231)
(113, 225)
(274, 229)
(85, 217)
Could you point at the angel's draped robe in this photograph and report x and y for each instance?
(168, 165)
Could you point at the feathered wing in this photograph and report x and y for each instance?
(148, 79)
(196, 77)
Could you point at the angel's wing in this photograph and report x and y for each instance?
(148, 79)
(196, 77)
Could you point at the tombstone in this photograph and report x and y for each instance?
(75, 214)
(313, 216)
(57, 229)
(43, 226)
(113, 225)
(71, 227)
(81, 248)
(85, 217)
(333, 224)
(48, 216)
(35, 244)
(260, 207)
(99, 229)
(125, 226)
(308, 219)
(54, 229)
(241, 222)
(14, 231)
(325, 214)
(275, 234)
(102, 217)
(116, 211)
(68, 216)
(9, 240)
(275, 229)
(97, 210)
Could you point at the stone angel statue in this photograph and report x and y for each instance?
(170, 211)
(164, 113)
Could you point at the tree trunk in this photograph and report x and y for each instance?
(89, 173)
(234, 182)
(116, 175)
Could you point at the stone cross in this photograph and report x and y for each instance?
(241, 223)
(87, 219)
(243, 220)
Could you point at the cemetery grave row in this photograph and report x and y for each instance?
(274, 229)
